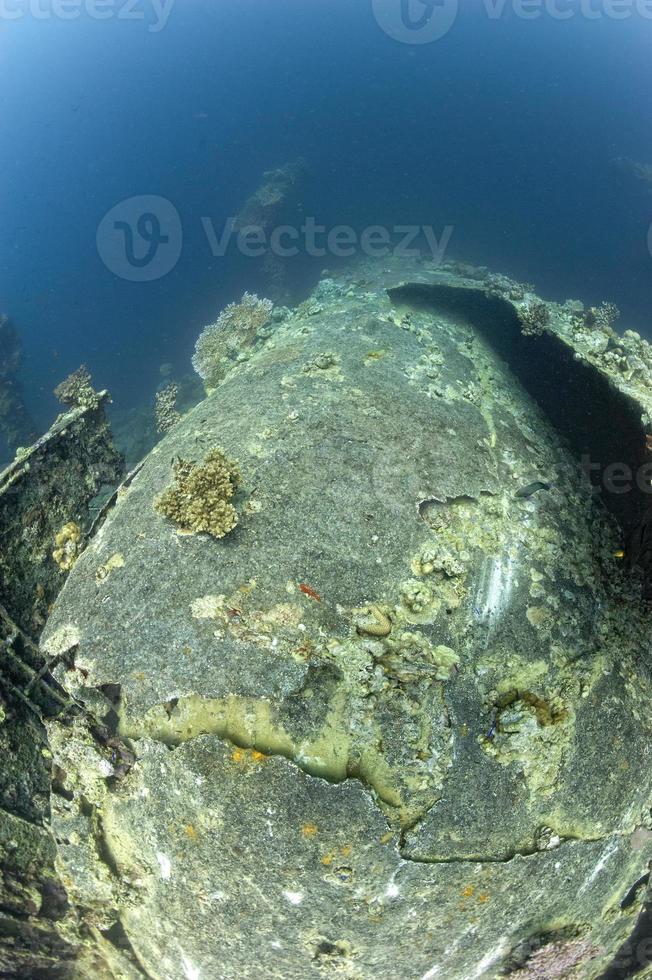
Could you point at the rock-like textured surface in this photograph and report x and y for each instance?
(32, 900)
(47, 485)
(396, 722)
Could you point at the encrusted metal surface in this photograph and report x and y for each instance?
(395, 723)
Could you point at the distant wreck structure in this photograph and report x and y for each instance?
(635, 170)
(16, 424)
(274, 203)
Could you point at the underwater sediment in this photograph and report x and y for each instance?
(391, 718)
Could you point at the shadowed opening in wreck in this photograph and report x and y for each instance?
(601, 427)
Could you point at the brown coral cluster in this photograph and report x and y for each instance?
(77, 390)
(199, 501)
(165, 408)
(534, 318)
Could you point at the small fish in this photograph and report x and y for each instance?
(309, 592)
(532, 488)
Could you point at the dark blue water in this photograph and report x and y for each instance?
(505, 128)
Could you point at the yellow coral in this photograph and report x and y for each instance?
(199, 499)
(67, 546)
(372, 621)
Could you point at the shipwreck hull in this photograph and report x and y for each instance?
(396, 723)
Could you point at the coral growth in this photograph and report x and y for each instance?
(321, 362)
(372, 621)
(165, 408)
(234, 330)
(534, 318)
(603, 317)
(410, 657)
(556, 960)
(77, 390)
(438, 557)
(417, 596)
(199, 501)
(68, 544)
(595, 339)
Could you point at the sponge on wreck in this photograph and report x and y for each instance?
(199, 500)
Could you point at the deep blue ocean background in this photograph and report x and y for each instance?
(505, 129)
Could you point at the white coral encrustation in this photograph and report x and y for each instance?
(235, 329)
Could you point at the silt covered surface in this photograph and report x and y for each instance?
(394, 722)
